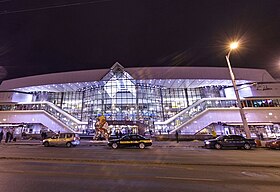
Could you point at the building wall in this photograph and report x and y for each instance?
(255, 90)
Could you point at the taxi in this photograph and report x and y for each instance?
(132, 140)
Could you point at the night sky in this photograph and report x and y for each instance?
(45, 36)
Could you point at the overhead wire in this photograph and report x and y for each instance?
(4, 12)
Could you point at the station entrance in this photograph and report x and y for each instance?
(126, 127)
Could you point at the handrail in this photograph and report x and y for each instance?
(198, 107)
(71, 122)
(57, 109)
(191, 107)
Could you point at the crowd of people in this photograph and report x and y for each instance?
(7, 136)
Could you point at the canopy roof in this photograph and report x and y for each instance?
(175, 77)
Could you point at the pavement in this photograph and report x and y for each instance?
(158, 144)
(194, 144)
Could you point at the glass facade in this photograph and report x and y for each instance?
(127, 126)
(121, 98)
(72, 102)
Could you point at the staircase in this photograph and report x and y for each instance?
(212, 110)
(45, 113)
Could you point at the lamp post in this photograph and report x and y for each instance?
(233, 46)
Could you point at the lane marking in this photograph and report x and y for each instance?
(190, 179)
(253, 174)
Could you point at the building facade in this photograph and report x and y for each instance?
(143, 98)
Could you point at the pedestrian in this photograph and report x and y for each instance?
(261, 136)
(121, 134)
(23, 135)
(11, 136)
(1, 135)
(177, 136)
(7, 136)
(42, 135)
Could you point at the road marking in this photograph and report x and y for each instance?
(190, 179)
(12, 171)
(252, 174)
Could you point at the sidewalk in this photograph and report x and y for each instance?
(22, 142)
(167, 144)
(157, 144)
(104, 143)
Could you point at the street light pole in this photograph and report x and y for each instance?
(241, 110)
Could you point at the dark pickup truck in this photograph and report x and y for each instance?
(224, 141)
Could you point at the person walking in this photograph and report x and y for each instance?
(1, 135)
(120, 133)
(11, 136)
(177, 136)
(117, 133)
(7, 136)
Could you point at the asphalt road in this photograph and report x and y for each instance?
(25, 168)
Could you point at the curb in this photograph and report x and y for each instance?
(157, 144)
(149, 163)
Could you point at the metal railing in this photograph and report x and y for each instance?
(69, 121)
(198, 107)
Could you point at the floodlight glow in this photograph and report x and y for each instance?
(233, 45)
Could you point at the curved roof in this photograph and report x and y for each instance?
(79, 79)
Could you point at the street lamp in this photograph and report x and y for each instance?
(233, 46)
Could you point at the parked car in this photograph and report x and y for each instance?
(133, 140)
(224, 141)
(62, 139)
(273, 144)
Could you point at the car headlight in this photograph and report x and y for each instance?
(207, 142)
